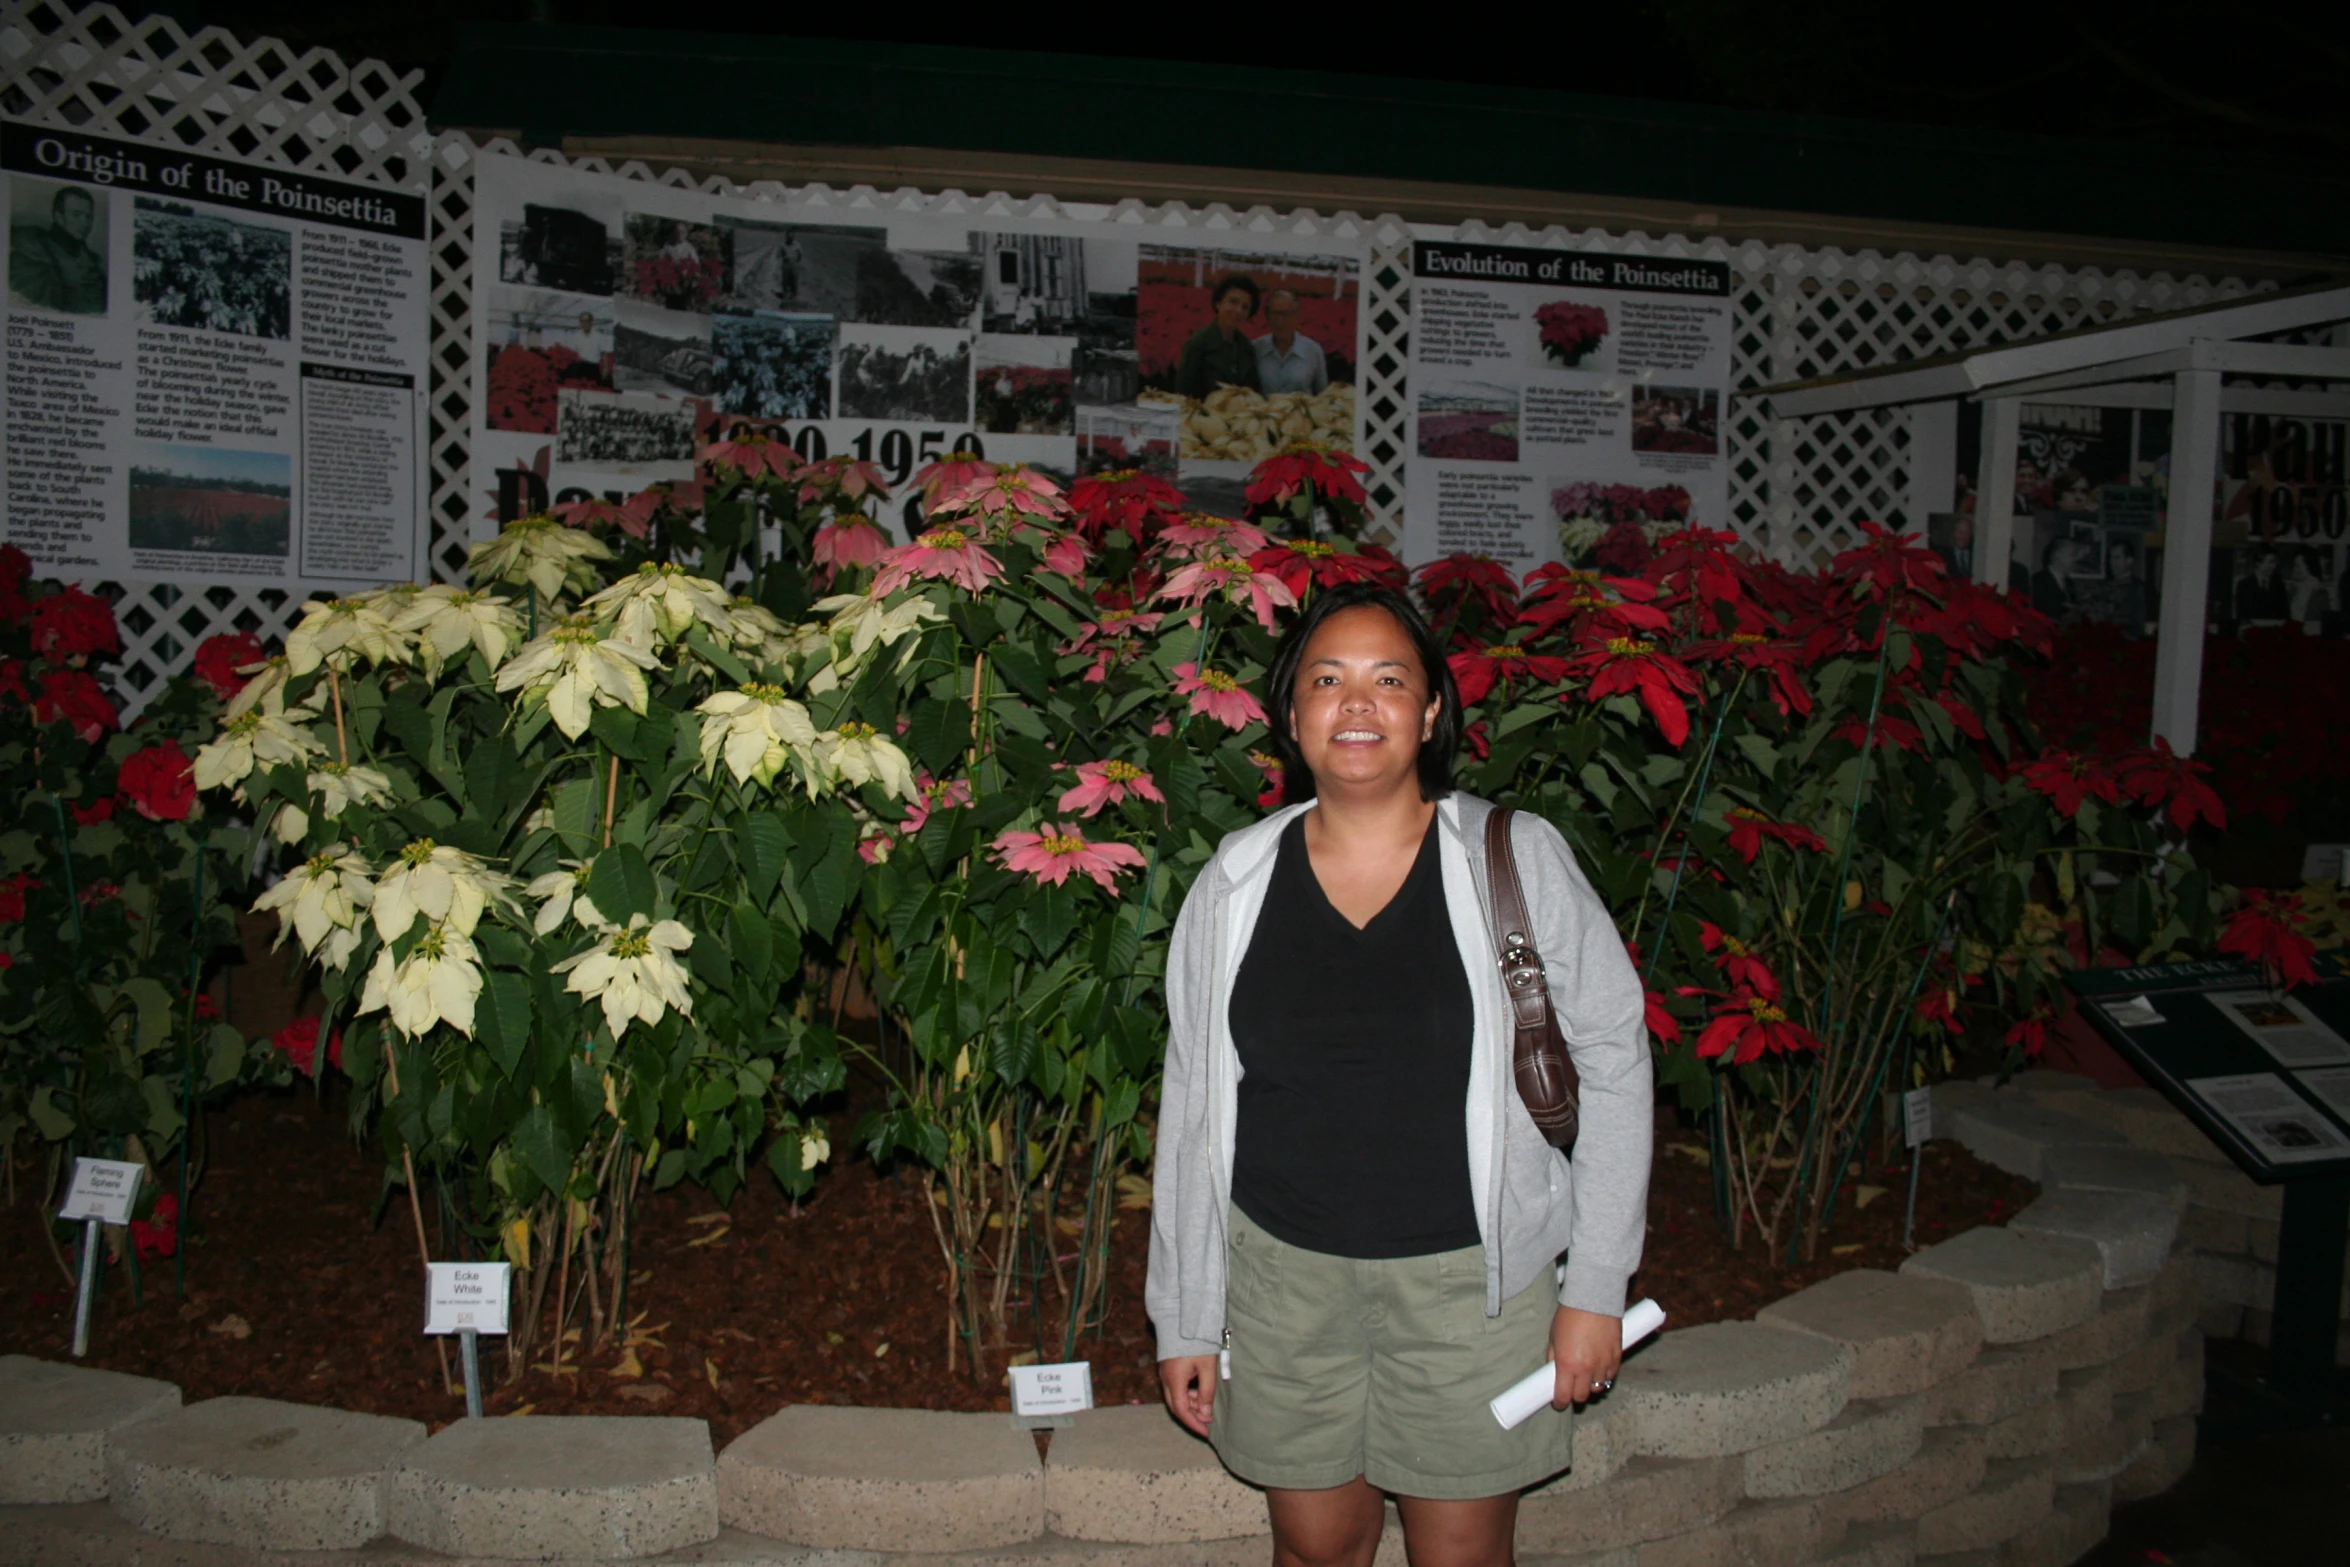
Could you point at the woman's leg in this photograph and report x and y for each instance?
(1338, 1527)
(1459, 1534)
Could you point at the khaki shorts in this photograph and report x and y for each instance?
(1343, 1366)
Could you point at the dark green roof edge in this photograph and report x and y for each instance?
(556, 81)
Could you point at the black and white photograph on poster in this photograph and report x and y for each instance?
(1685, 419)
(771, 366)
(181, 402)
(918, 288)
(540, 343)
(656, 350)
(1033, 283)
(2287, 584)
(2121, 594)
(1951, 536)
(1024, 385)
(199, 500)
(1467, 422)
(623, 430)
(58, 247)
(675, 264)
(1595, 383)
(570, 248)
(799, 267)
(211, 273)
(2276, 1123)
(908, 374)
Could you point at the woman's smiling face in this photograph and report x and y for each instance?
(1362, 704)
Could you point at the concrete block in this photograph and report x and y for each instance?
(1958, 1095)
(257, 1472)
(2111, 1447)
(2219, 1321)
(582, 1487)
(54, 1423)
(2118, 1328)
(1132, 1474)
(2085, 1400)
(1649, 1499)
(1621, 1556)
(1905, 1334)
(2230, 1190)
(1893, 1543)
(1868, 1438)
(1758, 1534)
(2016, 1493)
(2170, 1453)
(2173, 1304)
(2110, 1169)
(1729, 1386)
(2215, 1230)
(2144, 1366)
(2179, 1390)
(2016, 1133)
(883, 1480)
(2041, 1082)
(1988, 1558)
(2147, 1120)
(2024, 1286)
(2003, 1380)
(1949, 1465)
(2132, 1231)
(2261, 1237)
(2224, 1281)
(1598, 1449)
(2076, 1521)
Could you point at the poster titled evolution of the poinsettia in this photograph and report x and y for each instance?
(624, 325)
(1566, 405)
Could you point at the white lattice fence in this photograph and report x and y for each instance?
(89, 69)
(1797, 486)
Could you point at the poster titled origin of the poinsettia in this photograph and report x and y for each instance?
(1566, 405)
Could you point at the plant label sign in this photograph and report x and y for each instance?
(1052, 1390)
(467, 1297)
(103, 1189)
(1917, 1116)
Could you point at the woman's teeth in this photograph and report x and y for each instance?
(1356, 734)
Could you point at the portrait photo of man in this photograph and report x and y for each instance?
(1287, 359)
(56, 248)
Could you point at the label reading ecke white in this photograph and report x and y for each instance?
(103, 1189)
(1052, 1390)
(467, 1295)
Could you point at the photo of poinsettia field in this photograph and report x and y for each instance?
(593, 862)
(1468, 424)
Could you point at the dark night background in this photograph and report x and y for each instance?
(2263, 83)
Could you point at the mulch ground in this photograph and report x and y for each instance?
(302, 1284)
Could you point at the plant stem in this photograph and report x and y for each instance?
(611, 797)
(334, 689)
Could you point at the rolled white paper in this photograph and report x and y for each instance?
(1516, 1406)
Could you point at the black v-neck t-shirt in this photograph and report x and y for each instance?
(1354, 1045)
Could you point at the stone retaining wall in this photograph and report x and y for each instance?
(1985, 1406)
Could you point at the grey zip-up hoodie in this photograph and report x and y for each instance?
(1533, 1204)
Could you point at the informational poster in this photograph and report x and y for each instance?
(2293, 1035)
(1557, 395)
(2283, 532)
(215, 369)
(624, 322)
(2275, 1122)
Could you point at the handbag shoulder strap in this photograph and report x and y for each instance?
(1513, 931)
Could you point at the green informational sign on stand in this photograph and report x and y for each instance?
(2266, 1076)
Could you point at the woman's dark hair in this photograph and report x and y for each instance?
(1444, 737)
(1231, 281)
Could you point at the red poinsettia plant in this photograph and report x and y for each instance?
(1569, 331)
(115, 886)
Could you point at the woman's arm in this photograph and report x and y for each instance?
(1597, 999)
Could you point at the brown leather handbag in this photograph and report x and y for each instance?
(1545, 1073)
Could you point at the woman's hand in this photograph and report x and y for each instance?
(1189, 1382)
(1585, 1347)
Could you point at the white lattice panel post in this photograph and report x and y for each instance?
(87, 68)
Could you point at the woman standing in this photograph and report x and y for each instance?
(1349, 1196)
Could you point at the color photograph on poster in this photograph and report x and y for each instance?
(184, 403)
(631, 321)
(1566, 405)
